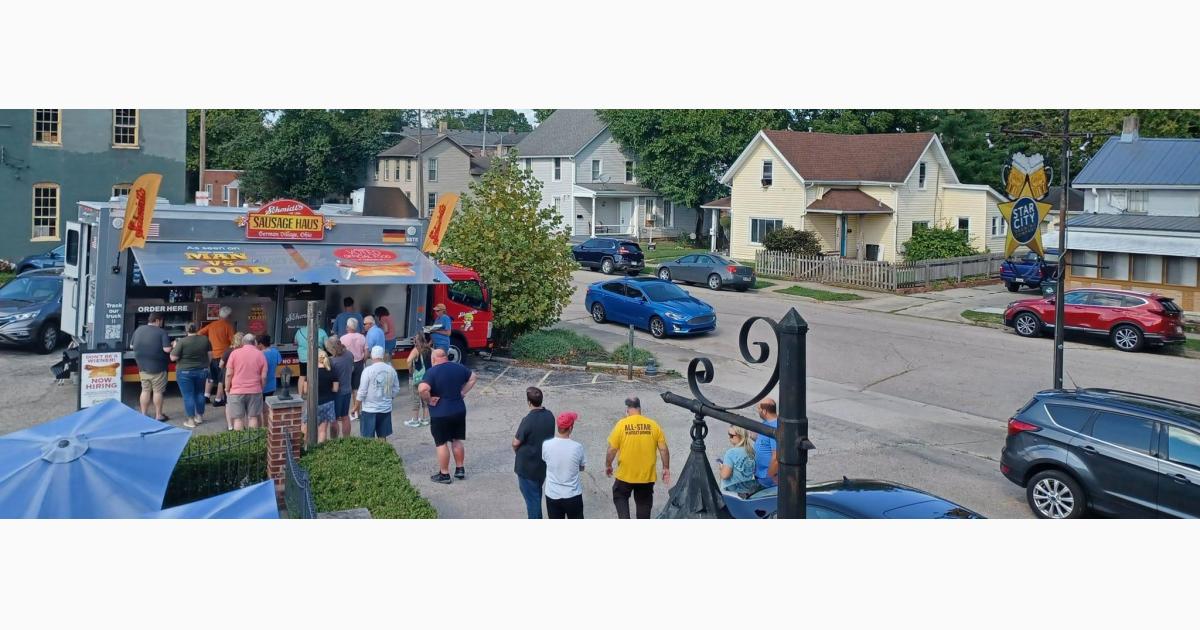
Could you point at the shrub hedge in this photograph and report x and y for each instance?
(357, 472)
(217, 463)
(640, 355)
(789, 240)
(557, 346)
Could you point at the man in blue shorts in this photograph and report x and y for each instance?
(444, 387)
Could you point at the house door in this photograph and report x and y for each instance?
(583, 220)
(842, 235)
(626, 214)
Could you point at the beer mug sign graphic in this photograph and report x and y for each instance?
(1027, 170)
(1026, 181)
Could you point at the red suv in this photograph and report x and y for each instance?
(1129, 319)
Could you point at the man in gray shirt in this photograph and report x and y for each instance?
(151, 347)
(564, 459)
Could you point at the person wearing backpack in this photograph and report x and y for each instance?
(419, 360)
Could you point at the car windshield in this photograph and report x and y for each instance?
(30, 289)
(663, 292)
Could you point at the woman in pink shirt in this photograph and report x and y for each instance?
(356, 344)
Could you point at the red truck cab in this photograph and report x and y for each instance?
(469, 305)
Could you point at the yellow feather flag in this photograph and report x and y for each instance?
(439, 222)
(139, 211)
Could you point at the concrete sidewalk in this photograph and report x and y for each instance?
(944, 305)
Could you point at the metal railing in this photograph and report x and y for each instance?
(297, 491)
(215, 464)
(613, 229)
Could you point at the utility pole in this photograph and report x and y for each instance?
(483, 142)
(200, 185)
(421, 205)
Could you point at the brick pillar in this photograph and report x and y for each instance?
(282, 415)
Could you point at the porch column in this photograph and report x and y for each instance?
(592, 224)
(633, 218)
(716, 216)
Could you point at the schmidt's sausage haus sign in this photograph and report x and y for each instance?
(284, 220)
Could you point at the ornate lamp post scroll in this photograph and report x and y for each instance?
(696, 495)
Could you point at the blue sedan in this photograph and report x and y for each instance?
(853, 498)
(651, 304)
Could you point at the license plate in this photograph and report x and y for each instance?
(1018, 279)
(747, 278)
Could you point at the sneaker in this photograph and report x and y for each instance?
(354, 416)
(413, 422)
(219, 403)
(440, 478)
(460, 473)
(189, 423)
(424, 422)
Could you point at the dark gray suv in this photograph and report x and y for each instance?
(1112, 452)
(31, 308)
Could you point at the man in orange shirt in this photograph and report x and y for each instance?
(219, 333)
(639, 441)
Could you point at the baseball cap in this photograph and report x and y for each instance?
(439, 307)
(376, 352)
(566, 420)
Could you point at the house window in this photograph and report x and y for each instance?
(1083, 264)
(408, 170)
(1181, 271)
(45, 212)
(921, 176)
(385, 167)
(225, 194)
(432, 169)
(1147, 268)
(1137, 201)
(669, 215)
(629, 170)
(208, 191)
(121, 190)
(595, 170)
(125, 127)
(557, 169)
(1114, 265)
(650, 213)
(396, 163)
(768, 173)
(378, 169)
(999, 227)
(760, 228)
(431, 202)
(917, 226)
(964, 226)
(46, 126)
(528, 165)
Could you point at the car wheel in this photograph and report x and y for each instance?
(1027, 325)
(458, 350)
(1012, 286)
(606, 266)
(657, 327)
(1055, 494)
(714, 282)
(1128, 338)
(598, 314)
(47, 338)
(664, 274)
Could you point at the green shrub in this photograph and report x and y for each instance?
(362, 473)
(937, 242)
(640, 356)
(789, 240)
(557, 346)
(217, 463)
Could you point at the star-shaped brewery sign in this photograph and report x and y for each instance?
(1024, 217)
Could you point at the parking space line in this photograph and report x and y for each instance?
(498, 377)
(543, 381)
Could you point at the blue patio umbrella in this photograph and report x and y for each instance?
(257, 501)
(107, 461)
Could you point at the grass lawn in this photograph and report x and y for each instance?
(983, 318)
(6, 276)
(819, 294)
(762, 284)
(1192, 344)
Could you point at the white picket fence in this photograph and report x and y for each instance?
(879, 276)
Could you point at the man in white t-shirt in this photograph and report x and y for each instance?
(564, 459)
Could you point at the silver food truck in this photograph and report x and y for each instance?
(265, 264)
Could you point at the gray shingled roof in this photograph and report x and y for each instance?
(1135, 222)
(408, 146)
(624, 189)
(563, 134)
(1144, 162)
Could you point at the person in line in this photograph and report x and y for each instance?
(341, 363)
(374, 334)
(565, 460)
(380, 384)
(151, 346)
(639, 441)
(220, 336)
(271, 354)
(444, 387)
(343, 318)
(384, 317)
(301, 341)
(419, 362)
(192, 356)
(737, 466)
(443, 326)
(326, 392)
(235, 342)
(245, 375)
(356, 344)
(764, 446)
(536, 427)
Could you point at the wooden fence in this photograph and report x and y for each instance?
(878, 276)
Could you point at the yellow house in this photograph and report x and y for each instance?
(862, 194)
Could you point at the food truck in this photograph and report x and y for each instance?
(265, 264)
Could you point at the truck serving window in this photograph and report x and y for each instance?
(468, 293)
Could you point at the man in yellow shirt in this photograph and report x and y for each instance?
(639, 440)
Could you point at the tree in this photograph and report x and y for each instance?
(681, 153)
(497, 120)
(943, 241)
(543, 114)
(315, 154)
(864, 120)
(231, 136)
(523, 252)
(454, 118)
(963, 133)
(789, 240)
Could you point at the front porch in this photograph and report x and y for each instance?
(850, 223)
(616, 210)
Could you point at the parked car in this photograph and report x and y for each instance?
(651, 304)
(609, 255)
(1029, 270)
(1130, 320)
(712, 269)
(31, 308)
(1111, 452)
(45, 260)
(853, 498)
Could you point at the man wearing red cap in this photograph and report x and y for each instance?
(564, 459)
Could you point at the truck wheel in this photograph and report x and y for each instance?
(606, 266)
(47, 338)
(458, 350)
(1012, 286)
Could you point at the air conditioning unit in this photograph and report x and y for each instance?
(766, 181)
(1118, 199)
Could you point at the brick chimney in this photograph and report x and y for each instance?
(442, 127)
(1129, 132)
